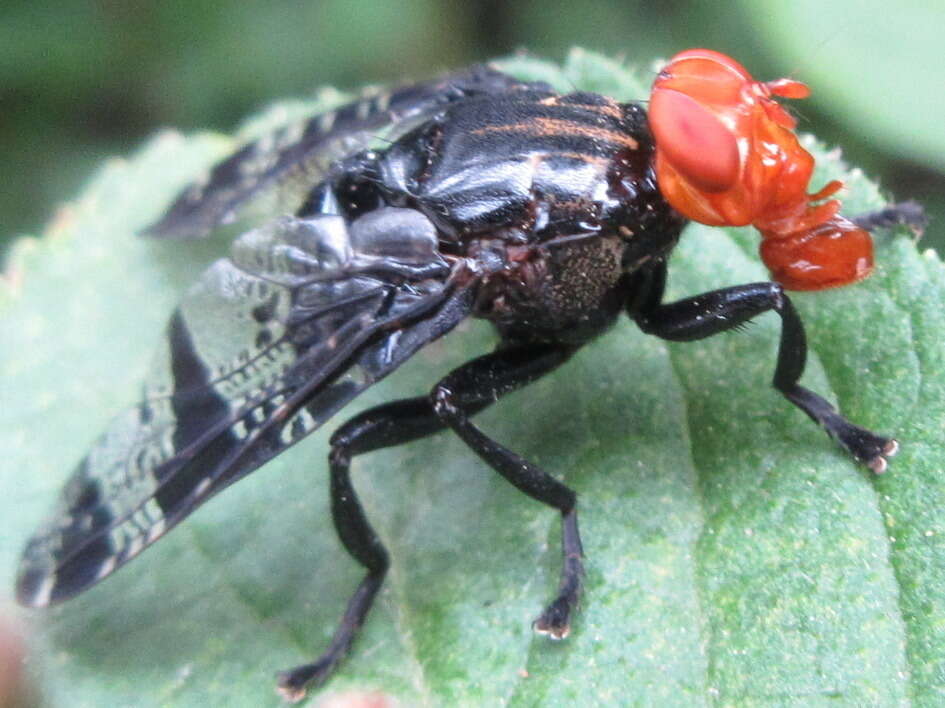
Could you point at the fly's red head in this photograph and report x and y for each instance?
(727, 155)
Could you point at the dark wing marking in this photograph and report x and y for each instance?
(284, 165)
(303, 316)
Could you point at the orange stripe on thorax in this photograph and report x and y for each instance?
(548, 127)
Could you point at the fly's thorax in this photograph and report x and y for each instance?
(530, 159)
(552, 200)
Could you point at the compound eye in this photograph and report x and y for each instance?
(694, 141)
(707, 76)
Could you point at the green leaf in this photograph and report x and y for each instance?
(734, 555)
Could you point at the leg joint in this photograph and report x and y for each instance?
(777, 296)
(339, 455)
(443, 402)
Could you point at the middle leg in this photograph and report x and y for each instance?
(459, 395)
(475, 385)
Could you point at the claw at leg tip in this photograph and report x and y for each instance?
(551, 631)
(892, 447)
(879, 464)
(290, 694)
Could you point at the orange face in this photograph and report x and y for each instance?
(727, 155)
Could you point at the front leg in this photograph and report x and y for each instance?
(721, 310)
(909, 214)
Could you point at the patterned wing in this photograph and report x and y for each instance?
(303, 315)
(284, 165)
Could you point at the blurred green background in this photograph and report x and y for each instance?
(83, 80)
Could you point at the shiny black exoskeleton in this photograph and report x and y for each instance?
(489, 198)
(551, 200)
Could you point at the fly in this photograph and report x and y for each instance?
(548, 215)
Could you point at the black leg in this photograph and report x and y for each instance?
(721, 310)
(393, 424)
(909, 214)
(456, 397)
(363, 544)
